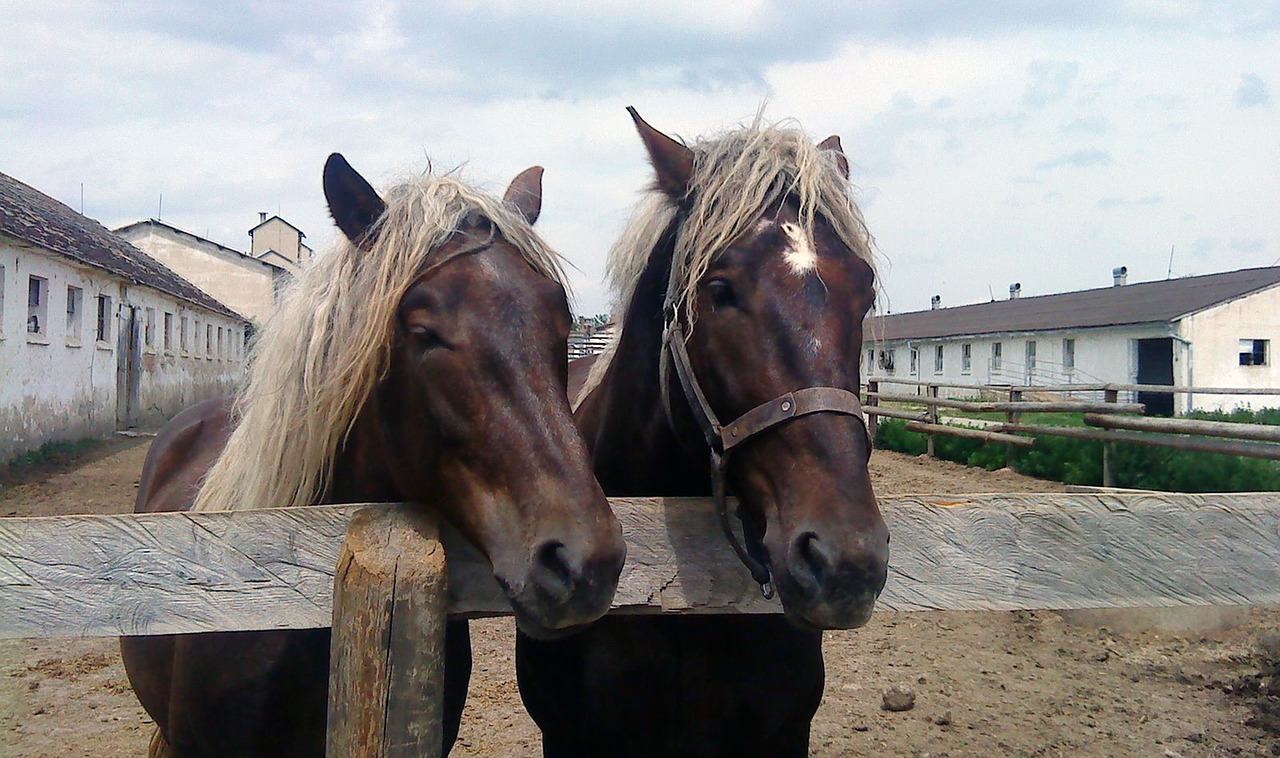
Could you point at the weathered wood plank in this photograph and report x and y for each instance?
(274, 569)
(386, 680)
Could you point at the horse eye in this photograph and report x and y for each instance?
(426, 337)
(721, 294)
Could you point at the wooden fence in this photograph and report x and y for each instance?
(172, 573)
(1108, 421)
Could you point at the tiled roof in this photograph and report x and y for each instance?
(32, 216)
(1142, 303)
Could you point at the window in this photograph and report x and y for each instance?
(183, 342)
(937, 359)
(149, 329)
(208, 341)
(997, 355)
(886, 360)
(966, 358)
(168, 332)
(219, 353)
(1253, 352)
(871, 359)
(104, 319)
(1031, 356)
(196, 339)
(1, 302)
(1069, 354)
(75, 305)
(37, 305)
(915, 360)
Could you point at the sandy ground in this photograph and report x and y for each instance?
(1022, 684)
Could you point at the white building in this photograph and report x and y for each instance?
(94, 334)
(1208, 331)
(248, 283)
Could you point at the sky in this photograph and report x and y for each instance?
(990, 143)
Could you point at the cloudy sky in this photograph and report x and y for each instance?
(992, 142)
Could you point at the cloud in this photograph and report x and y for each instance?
(1048, 81)
(1249, 245)
(1082, 158)
(1252, 92)
(1086, 125)
(1107, 203)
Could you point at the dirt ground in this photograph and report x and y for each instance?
(985, 684)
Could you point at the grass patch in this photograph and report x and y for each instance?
(52, 453)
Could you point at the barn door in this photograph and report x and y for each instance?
(128, 368)
(1155, 366)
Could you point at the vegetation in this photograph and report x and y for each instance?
(52, 452)
(1074, 461)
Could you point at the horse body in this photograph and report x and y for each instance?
(775, 303)
(465, 408)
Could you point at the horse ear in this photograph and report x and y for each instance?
(525, 193)
(672, 161)
(354, 204)
(832, 143)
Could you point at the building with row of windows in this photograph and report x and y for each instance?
(96, 335)
(1208, 331)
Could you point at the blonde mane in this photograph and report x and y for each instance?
(736, 177)
(321, 354)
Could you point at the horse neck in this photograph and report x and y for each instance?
(634, 450)
(360, 473)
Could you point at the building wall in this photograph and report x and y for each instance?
(244, 285)
(1215, 336)
(276, 235)
(1101, 355)
(62, 384)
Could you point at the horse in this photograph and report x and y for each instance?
(743, 277)
(422, 359)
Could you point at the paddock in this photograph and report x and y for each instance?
(934, 644)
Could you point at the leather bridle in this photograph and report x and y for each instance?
(722, 439)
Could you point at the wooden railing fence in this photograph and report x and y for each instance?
(1107, 421)
(387, 589)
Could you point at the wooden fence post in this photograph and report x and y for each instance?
(1108, 475)
(873, 420)
(386, 669)
(932, 414)
(1012, 417)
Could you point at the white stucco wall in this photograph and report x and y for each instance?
(60, 386)
(241, 283)
(276, 235)
(1215, 336)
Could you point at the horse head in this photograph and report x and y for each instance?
(470, 413)
(767, 314)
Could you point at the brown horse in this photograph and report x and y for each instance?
(752, 247)
(423, 359)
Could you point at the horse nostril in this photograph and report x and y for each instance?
(809, 563)
(552, 570)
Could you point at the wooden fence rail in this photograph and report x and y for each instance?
(1181, 434)
(164, 573)
(385, 590)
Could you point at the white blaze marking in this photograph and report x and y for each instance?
(800, 255)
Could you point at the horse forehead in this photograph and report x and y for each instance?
(797, 250)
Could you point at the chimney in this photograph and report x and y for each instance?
(935, 302)
(1120, 276)
(1015, 290)
(262, 216)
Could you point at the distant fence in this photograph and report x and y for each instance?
(1108, 421)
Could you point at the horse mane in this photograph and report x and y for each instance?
(327, 345)
(736, 176)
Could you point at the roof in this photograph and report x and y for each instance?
(33, 217)
(1142, 303)
(155, 222)
(266, 221)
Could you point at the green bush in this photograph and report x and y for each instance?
(1075, 461)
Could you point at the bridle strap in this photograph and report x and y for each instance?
(723, 439)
